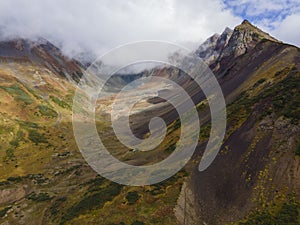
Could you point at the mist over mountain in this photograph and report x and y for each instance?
(78, 26)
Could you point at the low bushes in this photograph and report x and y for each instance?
(41, 197)
(36, 137)
(288, 214)
(89, 202)
(46, 111)
(132, 197)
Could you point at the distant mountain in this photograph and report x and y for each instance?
(42, 53)
(211, 49)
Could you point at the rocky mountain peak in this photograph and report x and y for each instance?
(227, 30)
(245, 37)
(246, 26)
(213, 46)
(246, 22)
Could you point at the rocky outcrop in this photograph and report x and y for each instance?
(185, 211)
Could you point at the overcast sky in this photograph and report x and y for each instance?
(99, 25)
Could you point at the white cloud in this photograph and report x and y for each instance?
(288, 29)
(101, 25)
(278, 17)
(261, 7)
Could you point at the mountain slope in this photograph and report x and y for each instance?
(257, 169)
(43, 177)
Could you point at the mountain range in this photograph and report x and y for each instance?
(255, 179)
